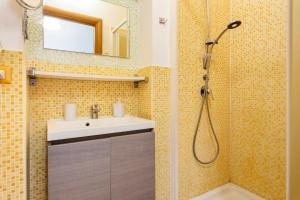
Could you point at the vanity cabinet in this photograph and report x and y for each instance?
(112, 168)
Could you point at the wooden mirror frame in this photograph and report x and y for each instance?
(80, 18)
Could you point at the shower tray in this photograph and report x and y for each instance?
(228, 192)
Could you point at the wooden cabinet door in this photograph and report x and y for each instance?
(79, 171)
(133, 167)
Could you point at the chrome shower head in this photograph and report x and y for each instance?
(234, 24)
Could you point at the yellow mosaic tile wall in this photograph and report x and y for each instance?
(12, 136)
(154, 103)
(195, 179)
(256, 82)
(259, 97)
(81, 69)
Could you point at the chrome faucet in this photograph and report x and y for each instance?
(95, 111)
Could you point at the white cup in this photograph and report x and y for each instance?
(70, 112)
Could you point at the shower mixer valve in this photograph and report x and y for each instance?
(203, 91)
(206, 90)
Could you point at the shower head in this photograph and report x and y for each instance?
(234, 24)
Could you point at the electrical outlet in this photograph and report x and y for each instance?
(5, 74)
(2, 74)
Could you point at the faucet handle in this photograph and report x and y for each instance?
(95, 108)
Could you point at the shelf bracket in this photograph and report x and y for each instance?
(32, 76)
(136, 83)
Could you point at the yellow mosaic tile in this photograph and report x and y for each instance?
(12, 136)
(80, 69)
(195, 179)
(259, 97)
(154, 103)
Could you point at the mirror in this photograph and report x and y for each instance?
(86, 26)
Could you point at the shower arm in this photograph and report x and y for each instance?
(219, 37)
(211, 43)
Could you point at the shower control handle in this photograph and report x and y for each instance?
(207, 91)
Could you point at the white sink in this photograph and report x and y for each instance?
(59, 129)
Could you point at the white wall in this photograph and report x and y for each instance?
(11, 36)
(145, 31)
(156, 41)
(161, 33)
(174, 103)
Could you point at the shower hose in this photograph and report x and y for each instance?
(205, 102)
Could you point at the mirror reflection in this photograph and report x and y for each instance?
(86, 26)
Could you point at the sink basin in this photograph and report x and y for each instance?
(59, 129)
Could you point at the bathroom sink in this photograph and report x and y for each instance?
(59, 129)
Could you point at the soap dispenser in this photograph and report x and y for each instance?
(118, 109)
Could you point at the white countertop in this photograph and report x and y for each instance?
(59, 129)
